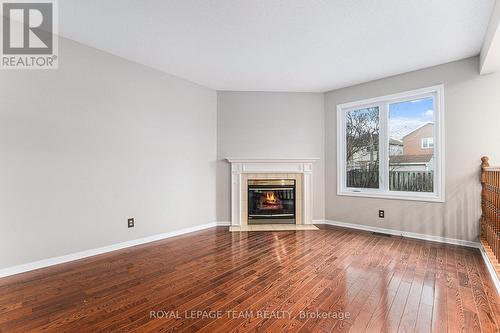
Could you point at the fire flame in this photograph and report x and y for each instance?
(271, 198)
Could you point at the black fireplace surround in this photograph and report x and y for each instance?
(271, 201)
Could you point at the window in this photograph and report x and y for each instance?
(392, 146)
(427, 143)
(362, 132)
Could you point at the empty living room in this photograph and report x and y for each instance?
(250, 166)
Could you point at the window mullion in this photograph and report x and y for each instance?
(384, 147)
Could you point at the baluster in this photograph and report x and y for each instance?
(484, 164)
(490, 207)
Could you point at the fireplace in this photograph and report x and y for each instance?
(271, 201)
(290, 172)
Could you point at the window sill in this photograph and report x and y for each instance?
(431, 197)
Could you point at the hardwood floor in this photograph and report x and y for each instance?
(330, 280)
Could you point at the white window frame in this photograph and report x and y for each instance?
(429, 141)
(383, 102)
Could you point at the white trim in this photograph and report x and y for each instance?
(402, 95)
(272, 160)
(400, 233)
(490, 268)
(223, 223)
(400, 196)
(437, 93)
(92, 252)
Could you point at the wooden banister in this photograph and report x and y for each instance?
(490, 216)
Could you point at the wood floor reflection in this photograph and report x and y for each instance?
(331, 280)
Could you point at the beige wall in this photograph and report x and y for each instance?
(101, 139)
(472, 117)
(268, 124)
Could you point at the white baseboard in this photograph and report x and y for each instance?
(490, 268)
(223, 223)
(92, 252)
(400, 233)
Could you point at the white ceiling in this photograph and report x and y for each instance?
(280, 45)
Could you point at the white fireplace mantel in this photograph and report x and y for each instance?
(271, 160)
(241, 166)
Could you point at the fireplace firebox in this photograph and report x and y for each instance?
(271, 201)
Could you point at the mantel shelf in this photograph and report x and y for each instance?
(272, 160)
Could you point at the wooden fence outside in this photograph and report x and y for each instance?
(414, 181)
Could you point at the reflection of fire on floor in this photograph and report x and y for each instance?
(273, 227)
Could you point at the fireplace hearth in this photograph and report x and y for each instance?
(271, 201)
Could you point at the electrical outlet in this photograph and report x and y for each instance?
(381, 214)
(131, 222)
